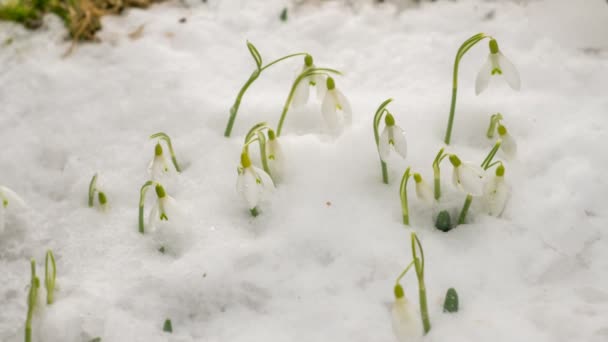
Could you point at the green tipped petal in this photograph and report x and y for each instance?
(502, 130)
(493, 46)
(160, 191)
(389, 120)
(331, 84)
(399, 293)
(500, 170)
(417, 177)
(158, 150)
(271, 135)
(102, 198)
(245, 161)
(455, 160)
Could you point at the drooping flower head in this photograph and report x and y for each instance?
(335, 108)
(405, 326)
(496, 65)
(496, 193)
(159, 166)
(302, 92)
(508, 145)
(8, 199)
(392, 135)
(424, 191)
(468, 178)
(252, 182)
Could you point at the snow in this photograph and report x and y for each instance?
(320, 262)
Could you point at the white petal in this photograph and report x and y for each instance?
(2, 218)
(406, 326)
(399, 141)
(509, 72)
(320, 85)
(158, 168)
(328, 108)
(508, 145)
(383, 145)
(347, 112)
(251, 190)
(267, 184)
(496, 195)
(483, 77)
(424, 192)
(11, 197)
(300, 96)
(276, 159)
(469, 179)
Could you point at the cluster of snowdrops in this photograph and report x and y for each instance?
(482, 182)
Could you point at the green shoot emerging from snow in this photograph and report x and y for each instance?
(419, 267)
(376, 126)
(437, 173)
(142, 200)
(167, 326)
(101, 196)
(494, 121)
(256, 73)
(307, 75)
(49, 276)
(32, 299)
(165, 137)
(403, 196)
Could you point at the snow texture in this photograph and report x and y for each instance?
(320, 261)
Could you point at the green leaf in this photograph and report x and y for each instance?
(451, 301)
(255, 54)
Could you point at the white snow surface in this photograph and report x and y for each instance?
(320, 262)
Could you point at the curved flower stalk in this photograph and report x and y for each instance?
(377, 119)
(302, 92)
(403, 195)
(423, 190)
(32, 301)
(142, 200)
(252, 183)
(336, 108)
(50, 273)
(494, 121)
(419, 267)
(497, 64)
(254, 76)
(405, 325)
(101, 196)
(496, 193)
(164, 137)
(256, 134)
(509, 146)
(304, 77)
(441, 155)
(466, 177)
(8, 199)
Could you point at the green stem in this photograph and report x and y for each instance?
(31, 301)
(142, 200)
(49, 277)
(92, 189)
(494, 119)
(377, 119)
(419, 266)
(491, 155)
(165, 137)
(237, 102)
(469, 43)
(465, 209)
(403, 196)
(404, 272)
(437, 173)
(262, 144)
(306, 73)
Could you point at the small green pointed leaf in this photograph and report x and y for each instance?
(255, 54)
(168, 327)
(443, 221)
(451, 301)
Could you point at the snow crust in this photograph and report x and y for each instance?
(319, 263)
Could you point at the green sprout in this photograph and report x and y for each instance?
(163, 136)
(92, 189)
(142, 200)
(167, 326)
(494, 120)
(49, 276)
(451, 301)
(403, 196)
(305, 74)
(419, 267)
(377, 119)
(256, 73)
(437, 173)
(283, 15)
(32, 299)
(466, 46)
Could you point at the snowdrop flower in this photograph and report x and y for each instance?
(163, 209)
(159, 167)
(335, 108)
(405, 326)
(423, 190)
(496, 193)
(8, 199)
(508, 145)
(392, 135)
(466, 177)
(303, 89)
(497, 64)
(276, 158)
(252, 183)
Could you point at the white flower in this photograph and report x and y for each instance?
(276, 158)
(468, 178)
(496, 193)
(335, 108)
(391, 135)
(423, 190)
(302, 91)
(252, 183)
(164, 208)
(405, 325)
(508, 144)
(8, 199)
(497, 64)
(159, 166)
